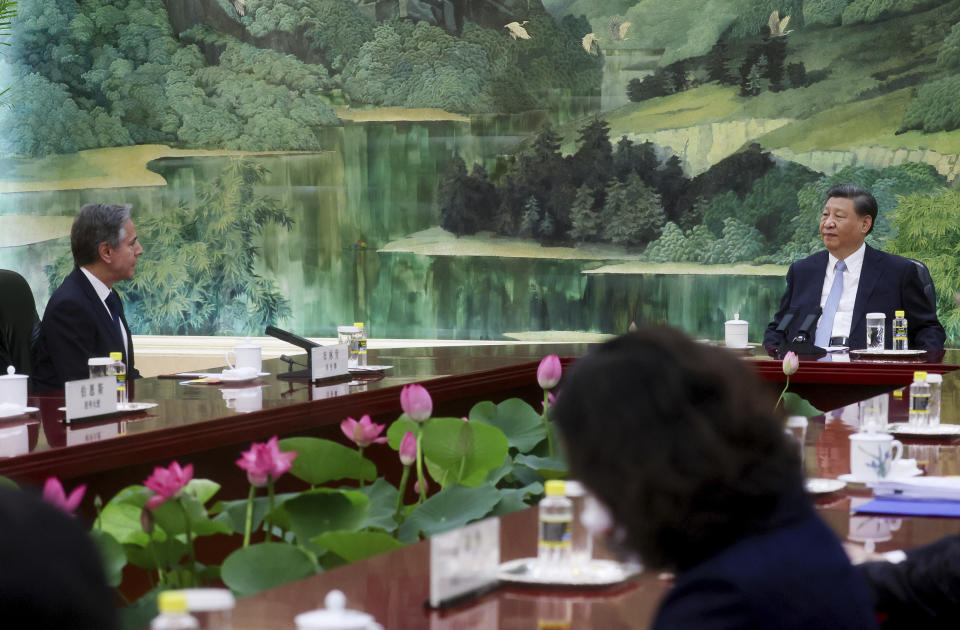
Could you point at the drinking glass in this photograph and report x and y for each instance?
(876, 323)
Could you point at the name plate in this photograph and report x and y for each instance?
(464, 561)
(91, 397)
(322, 392)
(85, 435)
(327, 361)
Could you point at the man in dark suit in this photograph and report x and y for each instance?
(84, 317)
(850, 279)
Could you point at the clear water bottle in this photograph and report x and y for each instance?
(120, 371)
(919, 400)
(361, 345)
(173, 613)
(936, 383)
(555, 542)
(899, 331)
(581, 539)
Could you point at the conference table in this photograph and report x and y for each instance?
(208, 425)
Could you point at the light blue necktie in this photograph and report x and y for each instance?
(825, 326)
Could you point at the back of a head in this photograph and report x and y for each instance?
(679, 440)
(51, 574)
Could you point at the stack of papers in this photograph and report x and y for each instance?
(919, 488)
(920, 496)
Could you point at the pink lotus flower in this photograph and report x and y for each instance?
(54, 494)
(416, 486)
(408, 448)
(791, 363)
(167, 483)
(265, 461)
(548, 373)
(416, 402)
(363, 433)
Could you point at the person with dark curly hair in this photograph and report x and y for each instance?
(681, 443)
(51, 573)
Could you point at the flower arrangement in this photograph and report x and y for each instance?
(492, 462)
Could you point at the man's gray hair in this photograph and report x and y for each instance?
(97, 223)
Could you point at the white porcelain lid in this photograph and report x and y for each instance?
(99, 361)
(12, 373)
(736, 320)
(208, 599)
(335, 616)
(247, 343)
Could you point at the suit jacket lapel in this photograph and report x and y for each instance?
(103, 315)
(869, 274)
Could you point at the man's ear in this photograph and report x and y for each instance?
(867, 223)
(105, 251)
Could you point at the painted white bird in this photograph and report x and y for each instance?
(590, 44)
(240, 6)
(623, 30)
(778, 27)
(516, 30)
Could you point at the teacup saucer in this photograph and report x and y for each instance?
(817, 485)
(13, 413)
(851, 478)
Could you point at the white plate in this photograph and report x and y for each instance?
(819, 485)
(851, 478)
(597, 573)
(228, 378)
(130, 407)
(887, 353)
(14, 414)
(938, 430)
(370, 368)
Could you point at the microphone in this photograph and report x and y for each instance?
(801, 343)
(290, 362)
(298, 341)
(786, 321)
(803, 333)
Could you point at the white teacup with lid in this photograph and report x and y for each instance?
(245, 355)
(735, 332)
(336, 616)
(13, 389)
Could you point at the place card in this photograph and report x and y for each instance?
(464, 562)
(85, 435)
(91, 397)
(328, 361)
(322, 392)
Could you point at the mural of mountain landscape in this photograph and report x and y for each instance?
(476, 169)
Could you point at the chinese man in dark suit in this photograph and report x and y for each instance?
(849, 279)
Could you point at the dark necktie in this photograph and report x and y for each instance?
(113, 303)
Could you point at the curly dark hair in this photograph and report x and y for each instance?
(680, 441)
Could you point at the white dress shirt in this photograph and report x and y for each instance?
(102, 292)
(851, 280)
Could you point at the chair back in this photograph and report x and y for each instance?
(18, 322)
(926, 281)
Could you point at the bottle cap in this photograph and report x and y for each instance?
(898, 393)
(171, 602)
(116, 356)
(898, 313)
(358, 325)
(555, 488)
(919, 376)
(934, 378)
